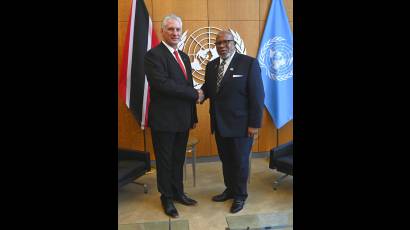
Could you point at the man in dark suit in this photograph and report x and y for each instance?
(172, 112)
(234, 86)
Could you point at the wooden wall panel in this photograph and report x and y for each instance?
(149, 5)
(214, 149)
(248, 30)
(261, 29)
(148, 141)
(203, 130)
(264, 9)
(248, 23)
(267, 133)
(286, 133)
(124, 7)
(186, 9)
(129, 133)
(233, 10)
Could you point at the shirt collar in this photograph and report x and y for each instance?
(169, 47)
(228, 60)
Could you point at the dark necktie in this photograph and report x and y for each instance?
(220, 75)
(180, 64)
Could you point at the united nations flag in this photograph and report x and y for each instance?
(276, 60)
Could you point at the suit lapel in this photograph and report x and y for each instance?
(176, 64)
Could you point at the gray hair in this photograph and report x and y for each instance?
(225, 32)
(168, 17)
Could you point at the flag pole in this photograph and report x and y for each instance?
(145, 144)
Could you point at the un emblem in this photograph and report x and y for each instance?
(276, 58)
(200, 47)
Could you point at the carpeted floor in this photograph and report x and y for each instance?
(136, 207)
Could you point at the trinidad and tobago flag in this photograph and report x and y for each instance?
(133, 85)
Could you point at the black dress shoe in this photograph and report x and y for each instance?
(184, 199)
(222, 197)
(169, 207)
(237, 206)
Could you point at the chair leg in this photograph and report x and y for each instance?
(144, 185)
(184, 169)
(278, 181)
(250, 167)
(194, 163)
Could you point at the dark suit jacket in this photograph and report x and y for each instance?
(240, 100)
(172, 98)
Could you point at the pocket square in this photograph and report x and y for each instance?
(239, 75)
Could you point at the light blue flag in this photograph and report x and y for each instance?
(276, 60)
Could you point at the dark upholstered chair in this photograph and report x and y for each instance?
(281, 159)
(131, 165)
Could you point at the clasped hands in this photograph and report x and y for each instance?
(201, 96)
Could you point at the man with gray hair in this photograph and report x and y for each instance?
(172, 112)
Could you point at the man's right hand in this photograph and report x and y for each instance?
(201, 96)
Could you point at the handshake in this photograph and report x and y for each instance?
(201, 96)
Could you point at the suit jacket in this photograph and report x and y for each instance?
(172, 98)
(239, 102)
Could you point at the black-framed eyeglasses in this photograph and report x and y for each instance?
(224, 42)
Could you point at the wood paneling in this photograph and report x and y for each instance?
(148, 141)
(148, 4)
(186, 9)
(122, 30)
(267, 133)
(264, 6)
(288, 5)
(244, 16)
(129, 133)
(124, 7)
(233, 10)
(203, 130)
(214, 149)
(261, 29)
(286, 133)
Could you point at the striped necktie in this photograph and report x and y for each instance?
(220, 74)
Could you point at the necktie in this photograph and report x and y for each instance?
(180, 64)
(220, 74)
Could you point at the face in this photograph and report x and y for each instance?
(172, 33)
(225, 44)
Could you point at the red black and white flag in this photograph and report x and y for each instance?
(133, 85)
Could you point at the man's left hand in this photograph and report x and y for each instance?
(253, 132)
(194, 126)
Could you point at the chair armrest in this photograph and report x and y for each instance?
(282, 150)
(279, 152)
(128, 154)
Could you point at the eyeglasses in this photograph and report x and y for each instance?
(224, 42)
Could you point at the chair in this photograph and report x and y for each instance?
(281, 159)
(132, 164)
(191, 148)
